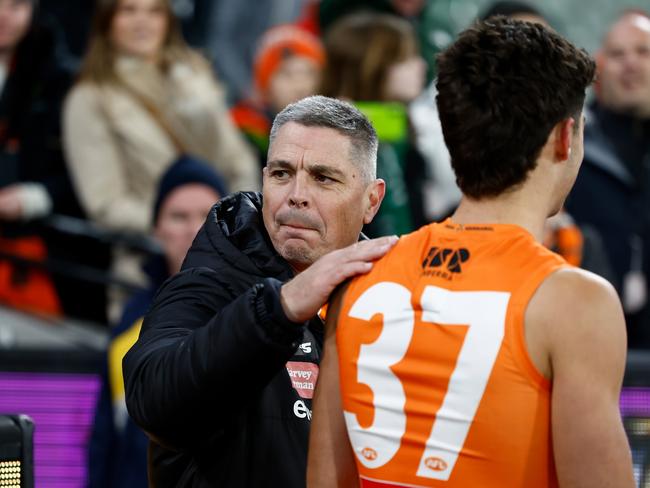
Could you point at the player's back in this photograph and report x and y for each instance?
(437, 385)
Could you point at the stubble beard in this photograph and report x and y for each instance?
(300, 257)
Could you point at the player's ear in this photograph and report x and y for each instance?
(564, 132)
(373, 198)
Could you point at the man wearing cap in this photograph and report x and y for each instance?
(117, 454)
(223, 372)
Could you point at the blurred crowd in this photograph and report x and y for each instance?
(118, 134)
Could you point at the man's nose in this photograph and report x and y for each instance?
(298, 196)
(631, 61)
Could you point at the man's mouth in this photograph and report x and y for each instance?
(296, 228)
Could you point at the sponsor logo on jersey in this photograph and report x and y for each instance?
(303, 377)
(435, 464)
(444, 262)
(305, 347)
(369, 453)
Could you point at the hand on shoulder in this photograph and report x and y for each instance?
(304, 295)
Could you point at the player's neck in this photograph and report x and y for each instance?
(515, 208)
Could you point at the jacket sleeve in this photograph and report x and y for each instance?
(201, 355)
(96, 164)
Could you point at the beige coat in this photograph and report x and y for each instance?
(116, 150)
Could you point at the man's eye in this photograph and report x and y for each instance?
(280, 174)
(323, 179)
(615, 54)
(643, 51)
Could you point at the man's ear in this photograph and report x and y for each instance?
(564, 138)
(374, 195)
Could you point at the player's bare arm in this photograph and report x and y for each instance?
(576, 317)
(330, 460)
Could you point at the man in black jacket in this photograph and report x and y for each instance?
(223, 373)
(612, 192)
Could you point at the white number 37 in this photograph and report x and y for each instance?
(484, 312)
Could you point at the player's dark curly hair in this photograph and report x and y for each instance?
(502, 87)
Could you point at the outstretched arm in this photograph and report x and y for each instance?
(201, 354)
(331, 460)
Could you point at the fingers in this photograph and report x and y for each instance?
(352, 269)
(306, 293)
(359, 255)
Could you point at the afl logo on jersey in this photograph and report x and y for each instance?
(369, 453)
(435, 464)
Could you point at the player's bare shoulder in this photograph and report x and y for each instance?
(574, 309)
(573, 294)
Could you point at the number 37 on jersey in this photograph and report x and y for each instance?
(414, 368)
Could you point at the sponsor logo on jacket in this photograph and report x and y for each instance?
(303, 377)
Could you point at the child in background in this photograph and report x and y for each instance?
(287, 68)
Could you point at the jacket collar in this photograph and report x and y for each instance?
(241, 238)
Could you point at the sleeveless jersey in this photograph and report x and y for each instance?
(438, 389)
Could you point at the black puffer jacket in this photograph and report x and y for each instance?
(219, 375)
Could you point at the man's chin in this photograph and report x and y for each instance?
(298, 253)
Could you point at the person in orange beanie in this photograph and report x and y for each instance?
(287, 68)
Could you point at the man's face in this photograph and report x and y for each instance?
(15, 17)
(624, 66)
(181, 215)
(315, 199)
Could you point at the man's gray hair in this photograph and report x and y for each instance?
(346, 119)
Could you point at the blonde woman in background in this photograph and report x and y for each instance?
(143, 99)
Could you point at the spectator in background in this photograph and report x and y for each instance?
(118, 448)
(287, 68)
(143, 99)
(229, 31)
(33, 178)
(612, 192)
(373, 60)
(432, 32)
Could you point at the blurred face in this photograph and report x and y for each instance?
(408, 8)
(297, 77)
(15, 18)
(139, 28)
(181, 216)
(405, 80)
(315, 199)
(624, 66)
